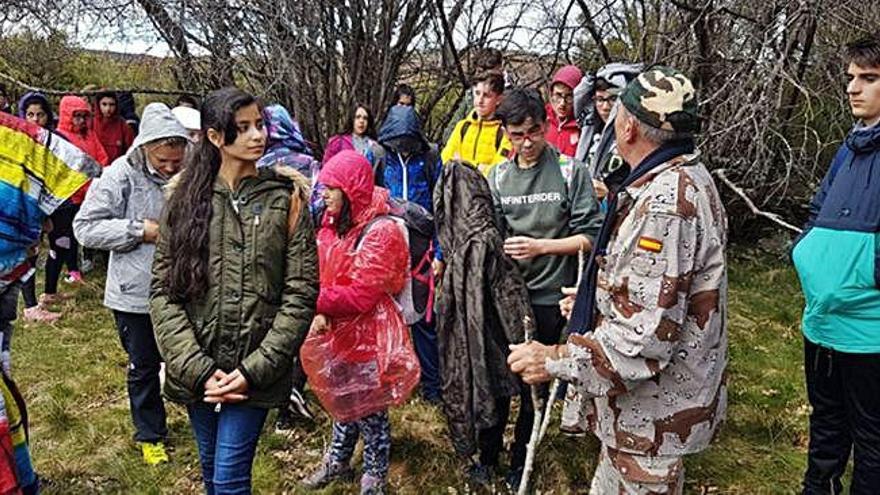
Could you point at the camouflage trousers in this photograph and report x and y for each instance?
(620, 473)
(577, 412)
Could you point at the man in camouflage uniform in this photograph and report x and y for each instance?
(650, 341)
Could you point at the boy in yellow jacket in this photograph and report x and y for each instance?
(478, 138)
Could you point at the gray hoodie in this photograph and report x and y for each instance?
(112, 216)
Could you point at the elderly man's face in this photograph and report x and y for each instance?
(626, 132)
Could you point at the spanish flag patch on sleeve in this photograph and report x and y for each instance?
(649, 244)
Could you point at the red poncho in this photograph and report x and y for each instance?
(365, 362)
(84, 139)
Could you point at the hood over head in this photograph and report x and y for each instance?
(190, 118)
(401, 125)
(66, 108)
(157, 122)
(35, 97)
(619, 74)
(350, 171)
(283, 131)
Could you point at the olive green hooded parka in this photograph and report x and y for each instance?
(260, 301)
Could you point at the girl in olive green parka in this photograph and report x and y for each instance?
(234, 289)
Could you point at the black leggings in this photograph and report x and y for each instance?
(63, 247)
(29, 288)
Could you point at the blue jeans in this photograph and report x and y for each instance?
(227, 443)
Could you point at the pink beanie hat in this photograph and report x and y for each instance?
(568, 75)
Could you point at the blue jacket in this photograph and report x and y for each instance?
(838, 255)
(412, 178)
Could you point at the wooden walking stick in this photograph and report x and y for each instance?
(554, 388)
(536, 423)
(556, 382)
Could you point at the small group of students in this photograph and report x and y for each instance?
(105, 130)
(230, 320)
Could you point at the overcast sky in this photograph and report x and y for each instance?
(140, 36)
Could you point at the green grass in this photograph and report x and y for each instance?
(73, 377)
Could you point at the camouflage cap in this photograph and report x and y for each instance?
(664, 98)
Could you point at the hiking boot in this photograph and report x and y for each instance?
(40, 314)
(371, 485)
(479, 475)
(298, 405)
(74, 277)
(328, 473)
(154, 453)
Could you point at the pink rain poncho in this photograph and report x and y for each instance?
(365, 362)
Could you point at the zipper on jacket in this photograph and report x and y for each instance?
(405, 178)
(477, 141)
(257, 210)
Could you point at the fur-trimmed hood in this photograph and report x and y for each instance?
(301, 185)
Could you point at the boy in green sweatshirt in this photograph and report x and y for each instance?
(547, 209)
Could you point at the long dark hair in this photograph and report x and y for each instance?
(371, 121)
(344, 222)
(189, 208)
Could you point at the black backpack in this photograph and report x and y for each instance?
(419, 225)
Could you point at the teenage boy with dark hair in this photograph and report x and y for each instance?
(479, 139)
(548, 212)
(836, 261)
(485, 60)
(563, 130)
(404, 95)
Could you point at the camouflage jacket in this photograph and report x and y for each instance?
(655, 364)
